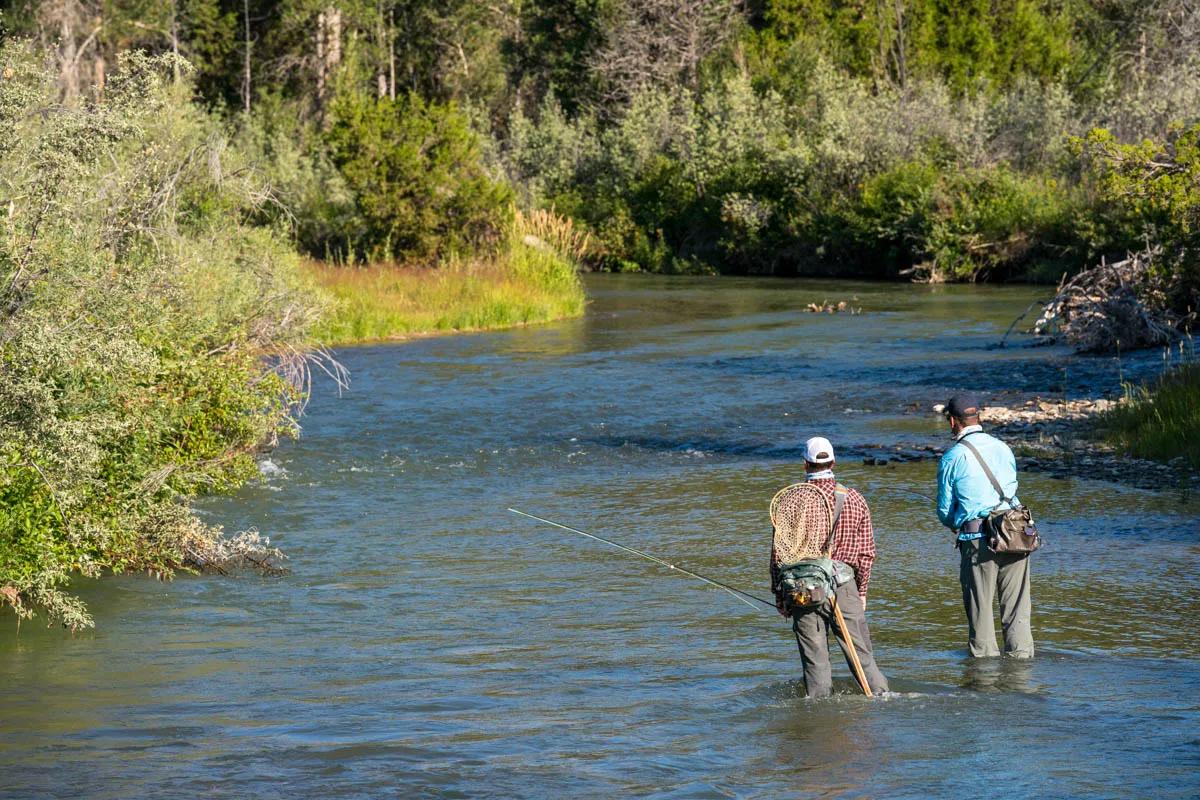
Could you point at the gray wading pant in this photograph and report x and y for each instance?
(980, 572)
(812, 634)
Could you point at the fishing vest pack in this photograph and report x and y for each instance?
(812, 581)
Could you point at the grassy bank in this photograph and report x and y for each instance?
(524, 284)
(1160, 422)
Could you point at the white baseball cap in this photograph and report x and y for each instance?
(818, 450)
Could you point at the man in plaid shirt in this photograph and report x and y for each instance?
(854, 546)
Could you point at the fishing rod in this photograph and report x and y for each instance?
(905, 491)
(737, 593)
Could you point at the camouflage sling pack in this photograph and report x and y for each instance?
(804, 523)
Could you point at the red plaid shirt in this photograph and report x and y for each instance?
(853, 536)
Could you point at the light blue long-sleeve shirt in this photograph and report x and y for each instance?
(964, 491)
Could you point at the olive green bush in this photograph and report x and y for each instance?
(416, 173)
(151, 336)
(1152, 188)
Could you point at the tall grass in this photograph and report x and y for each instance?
(1160, 422)
(528, 281)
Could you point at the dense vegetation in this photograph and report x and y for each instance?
(913, 137)
(1160, 421)
(150, 334)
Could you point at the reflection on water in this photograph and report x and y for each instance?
(999, 675)
(428, 643)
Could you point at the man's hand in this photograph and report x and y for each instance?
(781, 607)
(863, 597)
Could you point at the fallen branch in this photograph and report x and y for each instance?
(1024, 314)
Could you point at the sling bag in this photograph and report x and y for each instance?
(1010, 530)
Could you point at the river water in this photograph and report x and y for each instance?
(427, 643)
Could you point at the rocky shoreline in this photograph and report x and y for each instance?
(1054, 437)
(1058, 437)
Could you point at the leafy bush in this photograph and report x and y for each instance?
(1152, 189)
(415, 171)
(309, 196)
(148, 332)
(833, 176)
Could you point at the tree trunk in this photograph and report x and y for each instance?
(321, 66)
(69, 58)
(175, 39)
(392, 51)
(246, 73)
(901, 59)
(99, 76)
(329, 54)
(383, 42)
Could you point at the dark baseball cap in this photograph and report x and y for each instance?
(961, 406)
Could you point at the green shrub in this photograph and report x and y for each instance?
(416, 173)
(998, 222)
(1152, 190)
(833, 175)
(148, 330)
(896, 215)
(309, 196)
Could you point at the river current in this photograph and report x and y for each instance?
(427, 643)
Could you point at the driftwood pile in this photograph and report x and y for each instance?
(826, 307)
(1119, 306)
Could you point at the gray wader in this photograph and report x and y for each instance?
(981, 572)
(812, 628)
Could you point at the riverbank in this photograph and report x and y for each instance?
(1104, 439)
(525, 285)
(153, 340)
(1162, 421)
(1147, 439)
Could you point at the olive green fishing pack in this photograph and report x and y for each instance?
(809, 582)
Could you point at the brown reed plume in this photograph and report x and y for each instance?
(546, 229)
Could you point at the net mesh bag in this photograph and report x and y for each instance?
(802, 518)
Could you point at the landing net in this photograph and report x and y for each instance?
(802, 517)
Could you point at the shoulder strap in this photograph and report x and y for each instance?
(839, 502)
(986, 470)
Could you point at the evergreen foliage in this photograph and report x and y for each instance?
(415, 172)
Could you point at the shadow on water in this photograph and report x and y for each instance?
(699, 444)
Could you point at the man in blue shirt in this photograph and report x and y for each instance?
(965, 497)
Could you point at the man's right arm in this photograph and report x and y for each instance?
(780, 605)
(945, 498)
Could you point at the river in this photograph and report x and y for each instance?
(426, 643)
